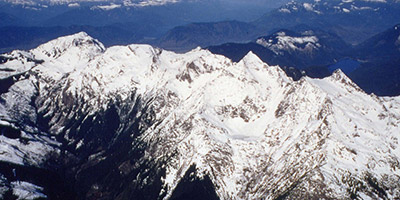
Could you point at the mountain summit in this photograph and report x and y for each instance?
(137, 121)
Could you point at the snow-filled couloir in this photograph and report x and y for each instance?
(246, 127)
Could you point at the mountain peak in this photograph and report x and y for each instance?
(338, 75)
(251, 58)
(342, 79)
(66, 54)
(57, 47)
(81, 34)
(284, 40)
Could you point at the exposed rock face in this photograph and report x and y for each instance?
(135, 121)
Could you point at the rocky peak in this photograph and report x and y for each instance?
(80, 43)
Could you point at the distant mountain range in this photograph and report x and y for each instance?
(190, 36)
(171, 26)
(134, 24)
(29, 37)
(302, 48)
(374, 64)
(353, 21)
(305, 51)
(133, 3)
(9, 20)
(380, 63)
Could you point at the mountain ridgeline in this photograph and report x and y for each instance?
(299, 50)
(114, 22)
(305, 38)
(141, 122)
(353, 21)
(176, 26)
(373, 64)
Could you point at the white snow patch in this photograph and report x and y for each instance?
(284, 10)
(33, 153)
(288, 43)
(380, 1)
(74, 5)
(107, 7)
(308, 6)
(27, 191)
(20, 61)
(145, 3)
(353, 7)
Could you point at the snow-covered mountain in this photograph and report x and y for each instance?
(353, 20)
(339, 6)
(301, 52)
(137, 121)
(280, 42)
(74, 3)
(308, 44)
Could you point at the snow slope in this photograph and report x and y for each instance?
(256, 133)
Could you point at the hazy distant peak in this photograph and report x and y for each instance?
(112, 3)
(285, 40)
(143, 3)
(337, 6)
